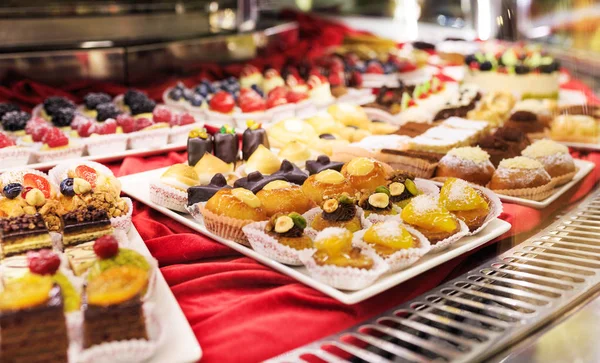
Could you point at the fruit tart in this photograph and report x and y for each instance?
(472, 204)
(56, 145)
(171, 189)
(338, 211)
(280, 238)
(280, 196)
(522, 177)
(91, 102)
(438, 225)
(59, 110)
(555, 157)
(326, 183)
(399, 245)
(28, 192)
(14, 122)
(228, 211)
(365, 174)
(338, 263)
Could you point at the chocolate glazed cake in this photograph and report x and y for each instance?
(84, 225)
(124, 321)
(23, 233)
(35, 334)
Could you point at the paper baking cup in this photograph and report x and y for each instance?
(403, 258)
(178, 105)
(218, 119)
(495, 207)
(282, 112)
(61, 171)
(445, 243)
(305, 109)
(344, 278)
(75, 150)
(225, 227)
(106, 144)
(565, 178)
(194, 211)
(427, 187)
(168, 197)
(311, 214)
(128, 351)
(377, 218)
(536, 194)
(178, 135)
(268, 246)
(149, 139)
(123, 222)
(419, 167)
(14, 156)
(241, 118)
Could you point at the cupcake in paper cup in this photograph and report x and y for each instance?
(228, 211)
(335, 261)
(400, 246)
(340, 211)
(378, 206)
(280, 238)
(151, 137)
(57, 146)
(106, 144)
(473, 204)
(427, 215)
(11, 154)
(171, 189)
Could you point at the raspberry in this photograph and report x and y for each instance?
(186, 119)
(43, 262)
(295, 97)
(106, 111)
(55, 138)
(162, 114)
(127, 123)
(106, 247)
(84, 127)
(53, 104)
(39, 131)
(15, 120)
(375, 68)
(141, 123)
(107, 127)
(222, 102)
(92, 100)
(7, 107)
(5, 141)
(63, 117)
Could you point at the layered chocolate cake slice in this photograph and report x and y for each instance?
(33, 322)
(84, 225)
(24, 233)
(113, 309)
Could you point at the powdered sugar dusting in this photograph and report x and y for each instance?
(457, 190)
(424, 203)
(388, 229)
(543, 148)
(330, 232)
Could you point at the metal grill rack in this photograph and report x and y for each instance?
(481, 312)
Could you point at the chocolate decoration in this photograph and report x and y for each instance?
(226, 147)
(197, 147)
(291, 173)
(203, 193)
(251, 139)
(294, 232)
(255, 181)
(344, 212)
(523, 116)
(322, 163)
(403, 196)
(84, 218)
(327, 137)
(22, 226)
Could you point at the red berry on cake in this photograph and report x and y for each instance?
(295, 97)
(142, 123)
(38, 182)
(107, 127)
(222, 102)
(43, 262)
(86, 173)
(375, 68)
(162, 114)
(106, 247)
(127, 123)
(336, 78)
(5, 141)
(251, 101)
(185, 119)
(54, 137)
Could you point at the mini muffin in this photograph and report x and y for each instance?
(279, 196)
(365, 174)
(229, 210)
(518, 173)
(378, 202)
(340, 211)
(288, 229)
(469, 163)
(326, 183)
(426, 215)
(470, 205)
(555, 157)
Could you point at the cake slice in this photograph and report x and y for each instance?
(24, 233)
(33, 321)
(84, 225)
(81, 257)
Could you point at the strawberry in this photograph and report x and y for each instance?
(142, 123)
(295, 97)
(222, 102)
(186, 119)
(107, 127)
(274, 101)
(336, 78)
(86, 173)
(375, 68)
(31, 181)
(54, 137)
(278, 92)
(162, 114)
(126, 122)
(5, 141)
(336, 65)
(251, 101)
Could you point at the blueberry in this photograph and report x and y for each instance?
(485, 66)
(389, 68)
(521, 69)
(202, 90)
(470, 59)
(197, 100)
(188, 94)
(12, 190)
(66, 187)
(232, 80)
(175, 94)
(360, 68)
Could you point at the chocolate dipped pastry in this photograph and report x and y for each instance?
(322, 163)
(84, 225)
(33, 321)
(255, 181)
(203, 193)
(226, 144)
(291, 173)
(24, 233)
(254, 136)
(338, 212)
(199, 143)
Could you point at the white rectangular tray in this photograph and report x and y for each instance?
(137, 186)
(581, 145)
(585, 167)
(180, 344)
(104, 158)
